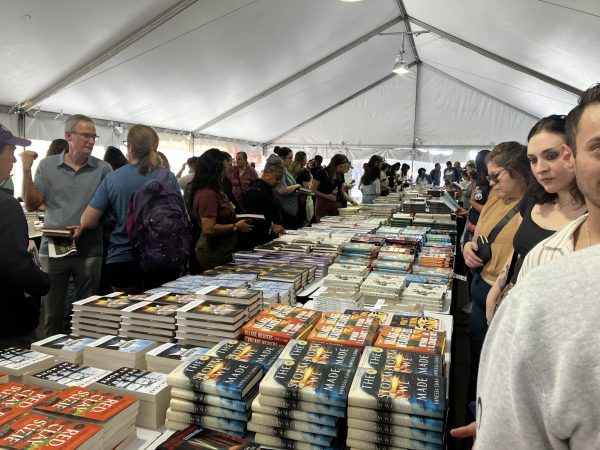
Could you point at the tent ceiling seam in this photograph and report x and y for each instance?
(486, 94)
(299, 74)
(499, 59)
(107, 54)
(411, 38)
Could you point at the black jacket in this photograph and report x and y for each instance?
(259, 199)
(18, 273)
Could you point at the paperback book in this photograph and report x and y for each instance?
(208, 410)
(65, 375)
(68, 348)
(17, 362)
(311, 438)
(242, 405)
(294, 414)
(195, 437)
(22, 397)
(411, 339)
(318, 353)
(418, 363)
(265, 355)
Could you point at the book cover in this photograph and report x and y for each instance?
(307, 381)
(62, 342)
(360, 439)
(268, 327)
(218, 423)
(242, 405)
(315, 352)
(123, 344)
(17, 395)
(225, 294)
(69, 374)
(195, 437)
(354, 330)
(152, 311)
(295, 414)
(398, 392)
(88, 404)
(418, 322)
(417, 363)
(394, 430)
(287, 311)
(59, 247)
(208, 410)
(37, 431)
(265, 355)
(396, 419)
(302, 436)
(305, 406)
(14, 359)
(136, 380)
(177, 352)
(410, 339)
(292, 424)
(219, 312)
(212, 375)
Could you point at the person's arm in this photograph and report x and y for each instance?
(90, 218)
(180, 173)
(315, 188)
(210, 227)
(377, 185)
(33, 200)
(470, 248)
(348, 198)
(288, 189)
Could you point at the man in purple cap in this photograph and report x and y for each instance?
(21, 281)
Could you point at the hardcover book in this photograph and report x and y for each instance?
(216, 376)
(307, 381)
(269, 441)
(265, 355)
(208, 410)
(292, 424)
(398, 392)
(17, 361)
(311, 438)
(122, 344)
(295, 414)
(242, 405)
(37, 431)
(394, 430)
(152, 312)
(315, 352)
(103, 305)
(304, 406)
(411, 339)
(354, 330)
(417, 363)
(396, 419)
(195, 437)
(218, 423)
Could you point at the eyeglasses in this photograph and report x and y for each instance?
(87, 136)
(494, 177)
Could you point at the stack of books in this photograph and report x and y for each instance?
(275, 292)
(398, 266)
(344, 282)
(429, 296)
(225, 379)
(352, 330)
(165, 358)
(302, 401)
(149, 320)
(420, 322)
(401, 220)
(114, 413)
(278, 324)
(205, 323)
(150, 388)
(198, 437)
(17, 362)
(337, 300)
(383, 286)
(348, 270)
(411, 340)
(98, 316)
(262, 354)
(64, 347)
(396, 401)
(21, 398)
(114, 352)
(64, 375)
(437, 256)
(250, 298)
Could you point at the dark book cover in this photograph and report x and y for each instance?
(417, 363)
(196, 437)
(265, 355)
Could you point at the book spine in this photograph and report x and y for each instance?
(291, 424)
(213, 400)
(396, 419)
(205, 409)
(390, 441)
(216, 423)
(302, 436)
(316, 408)
(392, 430)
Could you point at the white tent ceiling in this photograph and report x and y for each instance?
(289, 71)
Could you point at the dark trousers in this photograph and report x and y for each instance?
(289, 222)
(477, 330)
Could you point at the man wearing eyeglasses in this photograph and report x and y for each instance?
(65, 184)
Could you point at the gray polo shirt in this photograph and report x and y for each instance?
(67, 193)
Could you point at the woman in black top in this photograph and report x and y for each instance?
(552, 202)
(328, 187)
(259, 199)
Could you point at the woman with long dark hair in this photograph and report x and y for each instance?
(285, 192)
(123, 271)
(328, 187)
(370, 184)
(213, 211)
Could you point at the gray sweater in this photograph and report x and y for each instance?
(539, 378)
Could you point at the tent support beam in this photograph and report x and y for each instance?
(337, 105)
(107, 54)
(411, 38)
(485, 94)
(497, 58)
(299, 74)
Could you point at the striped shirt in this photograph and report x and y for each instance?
(559, 244)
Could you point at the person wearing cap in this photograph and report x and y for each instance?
(21, 281)
(65, 184)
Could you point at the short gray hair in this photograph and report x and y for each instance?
(273, 163)
(71, 122)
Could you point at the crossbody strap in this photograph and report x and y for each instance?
(498, 228)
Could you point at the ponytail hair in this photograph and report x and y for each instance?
(144, 147)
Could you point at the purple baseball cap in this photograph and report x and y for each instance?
(6, 137)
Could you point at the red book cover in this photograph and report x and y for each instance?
(88, 404)
(17, 395)
(36, 431)
(411, 339)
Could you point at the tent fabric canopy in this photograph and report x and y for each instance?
(310, 73)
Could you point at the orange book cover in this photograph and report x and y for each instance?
(411, 339)
(20, 396)
(36, 431)
(88, 404)
(269, 327)
(352, 330)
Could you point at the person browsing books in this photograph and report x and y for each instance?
(123, 271)
(260, 199)
(21, 281)
(509, 176)
(65, 184)
(286, 192)
(328, 187)
(370, 185)
(214, 212)
(241, 175)
(552, 201)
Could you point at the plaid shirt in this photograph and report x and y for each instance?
(241, 183)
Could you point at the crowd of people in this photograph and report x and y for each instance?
(532, 341)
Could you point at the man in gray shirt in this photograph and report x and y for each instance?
(65, 184)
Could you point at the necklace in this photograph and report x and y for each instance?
(562, 205)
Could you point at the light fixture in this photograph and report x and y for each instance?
(401, 67)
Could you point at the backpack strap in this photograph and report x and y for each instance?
(498, 228)
(162, 175)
